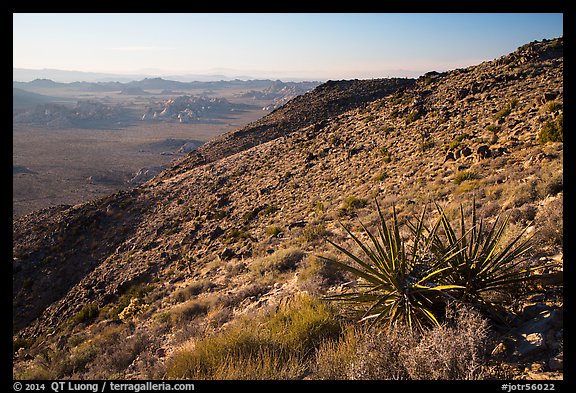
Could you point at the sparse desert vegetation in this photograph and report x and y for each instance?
(331, 248)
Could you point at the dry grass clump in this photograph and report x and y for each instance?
(270, 346)
(194, 289)
(279, 262)
(187, 311)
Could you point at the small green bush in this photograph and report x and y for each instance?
(554, 106)
(271, 209)
(494, 128)
(386, 154)
(314, 232)
(273, 230)
(427, 144)
(458, 140)
(315, 268)
(350, 204)
(87, 314)
(21, 342)
(552, 131)
(501, 114)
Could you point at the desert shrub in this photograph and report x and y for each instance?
(187, 311)
(458, 140)
(549, 224)
(194, 289)
(386, 154)
(550, 184)
(80, 356)
(467, 186)
(280, 261)
(273, 230)
(236, 234)
(270, 209)
(521, 194)
(87, 313)
(465, 175)
(255, 288)
(427, 144)
(387, 130)
(218, 315)
(35, 372)
(136, 292)
(350, 204)
(314, 232)
(501, 114)
(316, 274)
(378, 354)
(494, 128)
(381, 176)
(316, 267)
(277, 349)
(554, 106)
(22, 342)
(116, 348)
(413, 116)
(552, 131)
(523, 214)
(454, 350)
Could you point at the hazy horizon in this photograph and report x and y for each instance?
(272, 46)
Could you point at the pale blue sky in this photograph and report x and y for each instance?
(309, 46)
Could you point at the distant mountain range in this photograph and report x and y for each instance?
(65, 76)
(155, 84)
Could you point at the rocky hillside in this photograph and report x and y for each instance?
(280, 93)
(234, 226)
(187, 109)
(56, 115)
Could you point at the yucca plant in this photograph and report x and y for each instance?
(479, 260)
(396, 284)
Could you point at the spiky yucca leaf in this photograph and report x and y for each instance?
(396, 284)
(480, 261)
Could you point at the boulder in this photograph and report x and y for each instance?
(483, 151)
